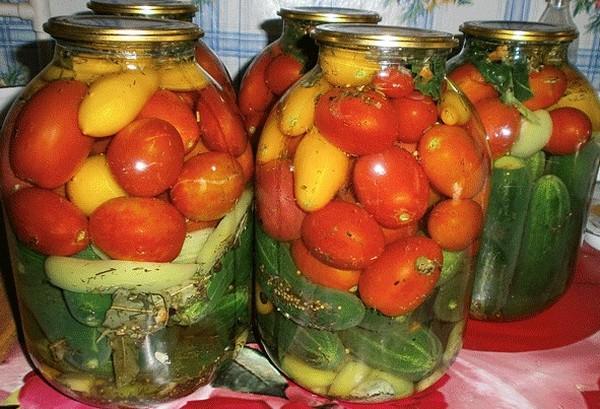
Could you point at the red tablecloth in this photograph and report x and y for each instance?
(549, 361)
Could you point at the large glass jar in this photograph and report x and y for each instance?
(286, 59)
(371, 191)
(541, 118)
(127, 213)
(170, 9)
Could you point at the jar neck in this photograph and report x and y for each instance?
(534, 54)
(558, 3)
(161, 53)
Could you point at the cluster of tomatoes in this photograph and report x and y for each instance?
(271, 73)
(558, 130)
(359, 171)
(127, 160)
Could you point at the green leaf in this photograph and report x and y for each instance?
(520, 77)
(429, 86)
(251, 372)
(125, 361)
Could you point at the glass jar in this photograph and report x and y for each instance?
(371, 191)
(541, 116)
(128, 234)
(287, 58)
(176, 10)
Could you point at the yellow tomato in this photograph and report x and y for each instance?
(306, 375)
(88, 69)
(182, 77)
(320, 170)
(272, 143)
(114, 100)
(579, 94)
(93, 184)
(298, 106)
(453, 109)
(347, 68)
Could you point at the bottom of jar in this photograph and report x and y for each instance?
(360, 376)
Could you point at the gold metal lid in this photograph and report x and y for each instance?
(371, 35)
(146, 8)
(330, 14)
(519, 31)
(117, 29)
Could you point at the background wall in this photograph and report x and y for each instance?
(238, 29)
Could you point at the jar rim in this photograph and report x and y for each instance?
(372, 35)
(526, 31)
(329, 14)
(117, 29)
(149, 8)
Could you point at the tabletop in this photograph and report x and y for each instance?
(549, 361)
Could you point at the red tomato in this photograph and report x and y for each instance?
(391, 186)
(406, 230)
(255, 95)
(343, 235)
(48, 147)
(146, 156)
(455, 223)
(47, 222)
(416, 113)
(246, 161)
(209, 185)
(208, 60)
(221, 124)
(138, 229)
(501, 122)
(8, 181)
(452, 161)
(402, 277)
(280, 216)
(166, 105)
(547, 86)
(190, 98)
(394, 82)
(571, 128)
(470, 81)
(358, 122)
(282, 72)
(321, 273)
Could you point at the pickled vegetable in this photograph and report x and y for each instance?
(538, 111)
(130, 235)
(371, 182)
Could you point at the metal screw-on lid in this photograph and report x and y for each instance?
(118, 29)
(176, 9)
(371, 35)
(330, 14)
(519, 31)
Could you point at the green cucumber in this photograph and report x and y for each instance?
(79, 345)
(317, 348)
(375, 321)
(232, 271)
(578, 172)
(451, 299)
(106, 276)
(455, 262)
(296, 297)
(501, 237)
(412, 354)
(536, 164)
(87, 308)
(545, 239)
